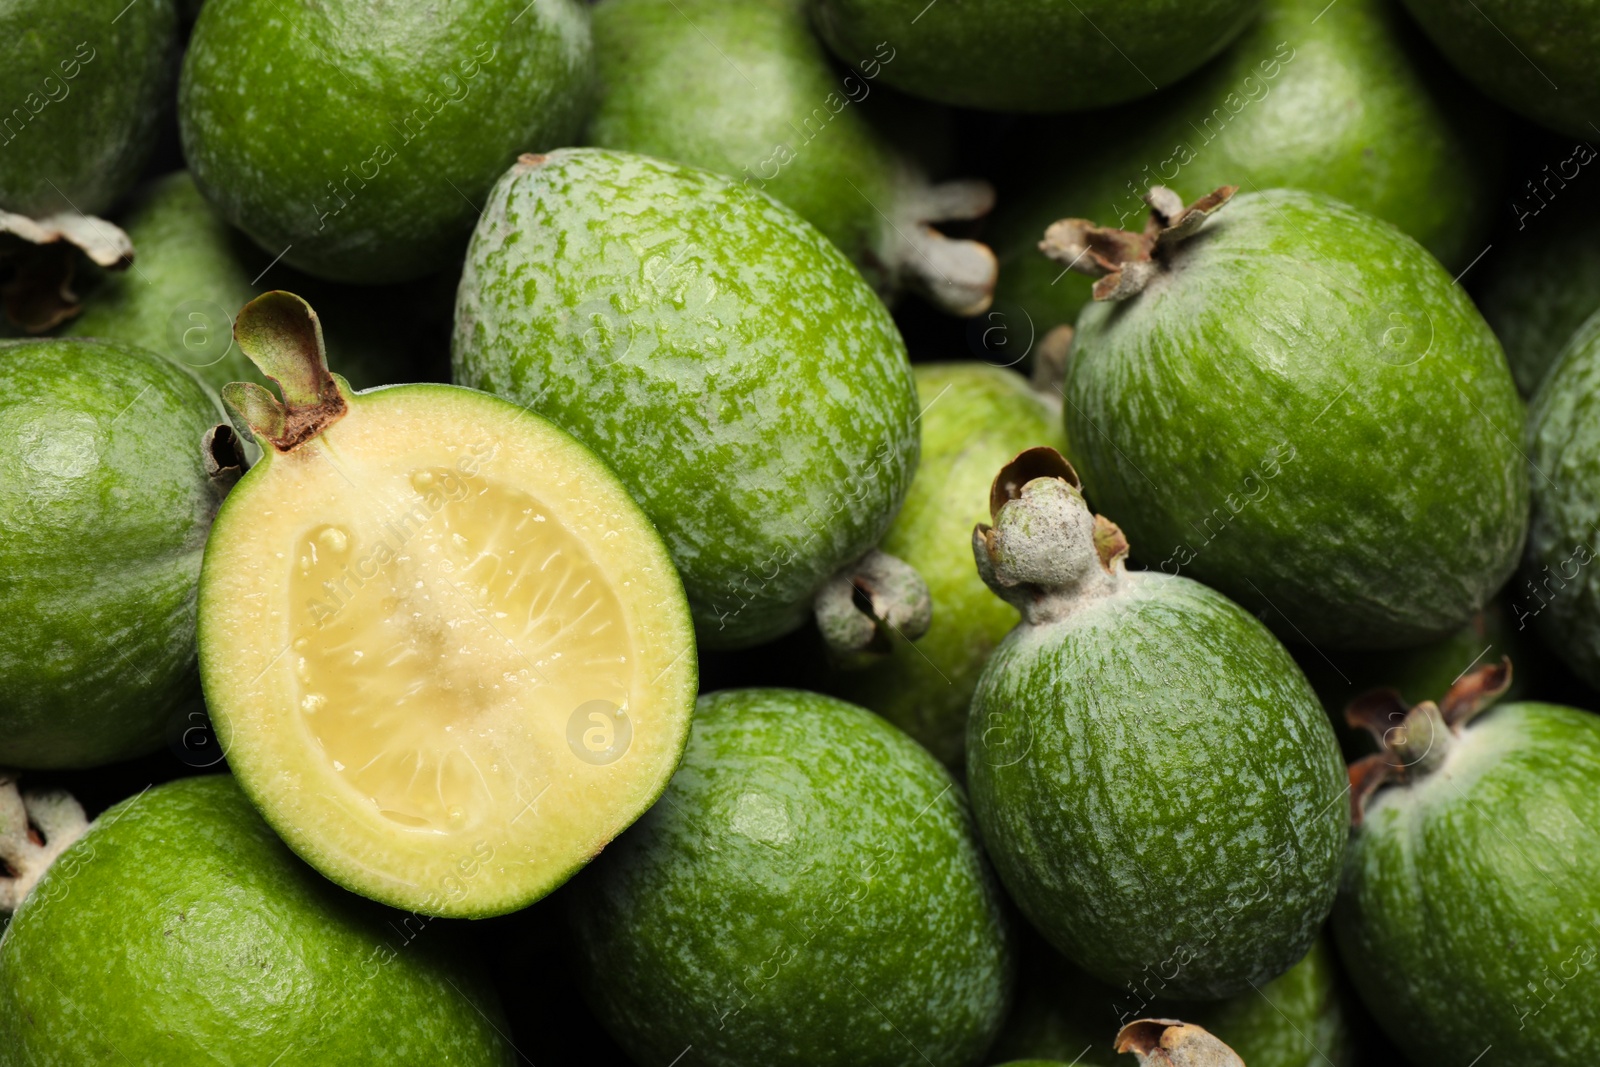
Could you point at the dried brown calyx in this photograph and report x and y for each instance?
(954, 274)
(1171, 1043)
(1124, 261)
(1046, 549)
(1414, 740)
(38, 258)
(282, 336)
(877, 596)
(35, 828)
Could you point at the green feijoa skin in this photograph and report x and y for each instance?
(1095, 746)
(1032, 55)
(358, 141)
(1543, 278)
(719, 353)
(82, 88)
(1534, 60)
(179, 930)
(1298, 1019)
(109, 478)
(1494, 812)
(194, 274)
(809, 891)
(745, 89)
(1557, 590)
(1343, 101)
(1296, 405)
(976, 418)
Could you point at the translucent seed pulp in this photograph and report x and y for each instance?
(442, 650)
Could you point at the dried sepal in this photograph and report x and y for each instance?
(1414, 739)
(1123, 261)
(282, 336)
(1173, 1043)
(1475, 691)
(40, 259)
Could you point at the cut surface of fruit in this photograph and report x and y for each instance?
(447, 655)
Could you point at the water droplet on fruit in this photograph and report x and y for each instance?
(422, 481)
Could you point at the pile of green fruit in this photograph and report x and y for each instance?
(799, 533)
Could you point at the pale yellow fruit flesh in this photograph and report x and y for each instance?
(446, 654)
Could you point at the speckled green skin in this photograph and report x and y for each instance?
(1296, 1020)
(104, 509)
(181, 931)
(808, 892)
(1341, 100)
(82, 88)
(1534, 56)
(745, 89)
(1543, 279)
(1470, 909)
(977, 418)
(1093, 756)
(362, 138)
(195, 273)
(1033, 55)
(717, 351)
(1305, 412)
(1559, 587)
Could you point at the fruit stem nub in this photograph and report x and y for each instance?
(1171, 1043)
(282, 336)
(877, 593)
(223, 456)
(1413, 741)
(954, 274)
(1124, 261)
(1046, 550)
(35, 828)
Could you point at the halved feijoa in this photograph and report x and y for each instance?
(446, 654)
